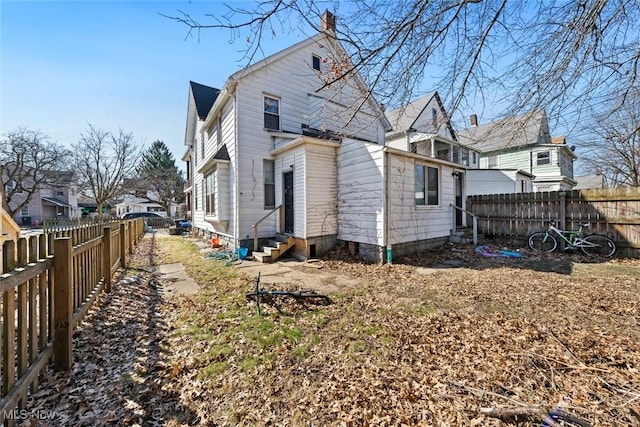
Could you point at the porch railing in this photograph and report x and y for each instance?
(474, 220)
(255, 226)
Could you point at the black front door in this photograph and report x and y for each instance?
(288, 202)
(458, 183)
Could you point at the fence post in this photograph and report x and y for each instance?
(130, 226)
(9, 320)
(23, 333)
(562, 220)
(123, 244)
(62, 304)
(107, 262)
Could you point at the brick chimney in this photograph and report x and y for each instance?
(328, 22)
(474, 120)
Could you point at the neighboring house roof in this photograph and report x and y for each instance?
(204, 97)
(404, 118)
(589, 181)
(56, 202)
(517, 131)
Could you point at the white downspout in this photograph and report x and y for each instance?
(386, 167)
(236, 173)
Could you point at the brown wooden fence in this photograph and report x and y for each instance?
(49, 282)
(614, 212)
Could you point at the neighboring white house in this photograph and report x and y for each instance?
(423, 128)
(131, 203)
(521, 143)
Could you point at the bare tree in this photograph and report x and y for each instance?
(563, 56)
(614, 145)
(29, 161)
(103, 161)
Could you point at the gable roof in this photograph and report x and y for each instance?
(404, 118)
(325, 37)
(517, 131)
(204, 97)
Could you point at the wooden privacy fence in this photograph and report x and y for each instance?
(614, 212)
(49, 283)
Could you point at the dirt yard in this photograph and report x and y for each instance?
(444, 338)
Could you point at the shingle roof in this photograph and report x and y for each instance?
(516, 131)
(222, 153)
(204, 97)
(403, 118)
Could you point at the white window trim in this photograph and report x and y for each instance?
(264, 111)
(426, 204)
(547, 158)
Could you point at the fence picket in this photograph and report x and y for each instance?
(614, 212)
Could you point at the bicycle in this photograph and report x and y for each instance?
(591, 244)
(300, 296)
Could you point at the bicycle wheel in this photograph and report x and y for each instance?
(542, 242)
(596, 244)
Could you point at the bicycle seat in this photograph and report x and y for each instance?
(583, 224)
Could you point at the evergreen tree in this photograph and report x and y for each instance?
(159, 178)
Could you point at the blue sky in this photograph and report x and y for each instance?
(115, 64)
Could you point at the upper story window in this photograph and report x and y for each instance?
(24, 211)
(59, 193)
(434, 117)
(492, 161)
(316, 62)
(543, 158)
(465, 156)
(271, 113)
(195, 153)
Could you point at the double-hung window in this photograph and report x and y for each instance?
(543, 158)
(271, 113)
(427, 185)
(210, 192)
(196, 196)
(268, 170)
(492, 161)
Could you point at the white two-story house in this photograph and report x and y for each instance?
(294, 145)
(267, 156)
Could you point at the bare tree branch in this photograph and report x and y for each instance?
(29, 161)
(103, 160)
(563, 56)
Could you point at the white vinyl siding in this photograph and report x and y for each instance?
(360, 192)
(321, 191)
(408, 222)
